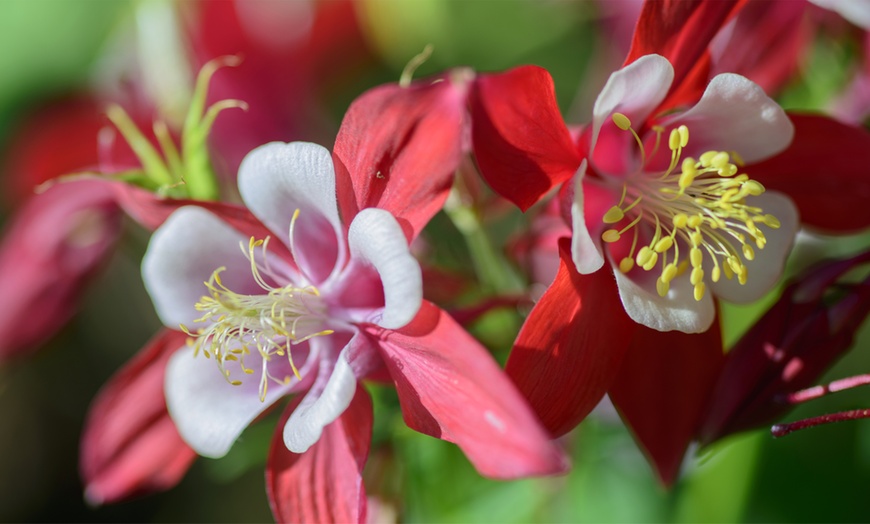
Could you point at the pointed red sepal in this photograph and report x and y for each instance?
(809, 328)
(570, 348)
(521, 143)
(324, 484)
(398, 148)
(451, 388)
(679, 30)
(662, 389)
(130, 446)
(818, 171)
(52, 249)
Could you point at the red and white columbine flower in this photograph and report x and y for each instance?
(308, 306)
(670, 207)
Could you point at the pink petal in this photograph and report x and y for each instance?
(398, 148)
(520, 140)
(130, 446)
(571, 346)
(662, 389)
(324, 484)
(52, 249)
(818, 173)
(450, 387)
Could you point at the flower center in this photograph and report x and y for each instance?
(270, 323)
(697, 204)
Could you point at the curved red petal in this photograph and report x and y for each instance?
(662, 389)
(818, 171)
(450, 387)
(521, 143)
(398, 148)
(571, 346)
(130, 446)
(324, 484)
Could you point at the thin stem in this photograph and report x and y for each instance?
(820, 391)
(781, 430)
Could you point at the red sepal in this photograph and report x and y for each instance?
(819, 172)
(130, 446)
(324, 484)
(521, 143)
(398, 148)
(450, 387)
(662, 389)
(570, 348)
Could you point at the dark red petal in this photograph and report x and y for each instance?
(570, 348)
(324, 484)
(819, 172)
(398, 148)
(661, 391)
(789, 348)
(130, 446)
(450, 387)
(679, 30)
(54, 246)
(521, 143)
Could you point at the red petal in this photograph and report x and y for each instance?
(54, 246)
(451, 388)
(324, 484)
(570, 348)
(818, 171)
(679, 30)
(521, 143)
(662, 389)
(398, 148)
(130, 446)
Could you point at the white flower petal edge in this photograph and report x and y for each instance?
(855, 11)
(767, 267)
(735, 114)
(635, 91)
(321, 406)
(676, 311)
(585, 252)
(377, 240)
(209, 413)
(182, 254)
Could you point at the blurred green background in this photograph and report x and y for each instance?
(50, 48)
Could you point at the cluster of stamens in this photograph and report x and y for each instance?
(270, 323)
(699, 204)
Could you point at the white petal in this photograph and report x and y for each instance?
(735, 115)
(209, 412)
(767, 267)
(855, 11)
(585, 252)
(183, 254)
(275, 180)
(635, 91)
(377, 240)
(322, 405)
(676, 311)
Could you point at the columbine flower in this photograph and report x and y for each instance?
(308, 306)
(672, 211)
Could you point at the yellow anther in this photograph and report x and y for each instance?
(727, 170)
(700, 287)
(697, 276)
(729, 273)
(651, 263)
(696, 238)
(707, 158)
(684, 265)
(753, 188)
(688, 166)
(728, 196)
(686, 179)
(743, 275)
(735, 264)
(662, 287)
(669, 272)
(644, 255)
(611, 235)
(680, 220)
(720, 160)
(737, 158)
(695, 221)
(696, 257)
(663, 244)
(771, 221)
(748, 252)
(760, 239)
(613, 215)
(626, 264)
(621, 121)
(716, 274)
(684, 135)
(674, 140)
